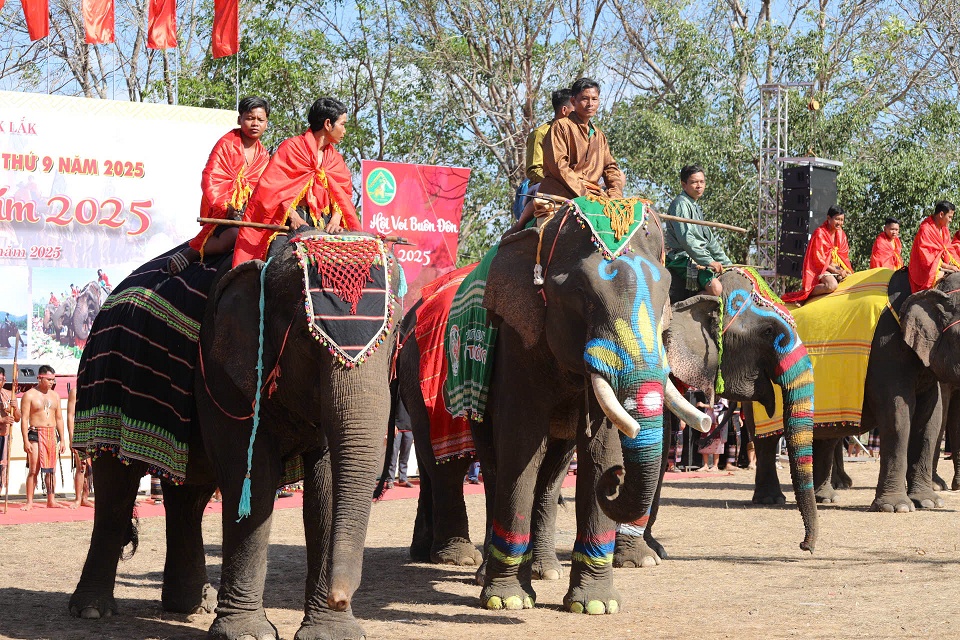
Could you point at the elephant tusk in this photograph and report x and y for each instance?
(680, 407)
(612, 407)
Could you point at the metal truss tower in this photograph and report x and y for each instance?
(774, 131)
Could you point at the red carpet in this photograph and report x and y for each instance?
(40, 513)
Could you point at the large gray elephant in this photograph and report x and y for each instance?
(303, 403)
(82, 314)
(915, 348)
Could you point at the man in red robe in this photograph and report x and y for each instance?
(933, 252)
(306, 183)
(827, 260)
(887, 248)
(232, 172)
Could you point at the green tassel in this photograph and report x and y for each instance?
(719, 386)
(244, 509)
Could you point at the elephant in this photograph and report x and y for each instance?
(333, 426)
(951, 425)
(8, 334)
(914, 350)
(85, 309)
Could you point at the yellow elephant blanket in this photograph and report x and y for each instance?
(837, 330)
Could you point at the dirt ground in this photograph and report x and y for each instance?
(735, 571)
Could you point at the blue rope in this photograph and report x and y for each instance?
(244, 509)
(402, 291)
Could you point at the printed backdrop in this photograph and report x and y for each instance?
(86, 186)
(422, 203)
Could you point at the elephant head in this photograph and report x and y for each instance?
(751, 343)
(600, 318)
(86, 309)
(930, 322)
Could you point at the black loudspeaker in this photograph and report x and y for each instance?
(808, 192)
(790, 265)
(794, 244)
(797, 222)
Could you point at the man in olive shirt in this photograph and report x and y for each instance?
(694, 255)
(534, 161)
(576, 154)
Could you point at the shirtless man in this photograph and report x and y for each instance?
(82, 466)
(42, 423)
(9, 413)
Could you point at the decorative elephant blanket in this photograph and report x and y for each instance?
(469, 344)
(837, 330)
(347, 293)
(449, 436)
(148, 329)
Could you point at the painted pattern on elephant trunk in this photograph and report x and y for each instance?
(635, 363)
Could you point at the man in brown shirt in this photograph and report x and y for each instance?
(576, 154)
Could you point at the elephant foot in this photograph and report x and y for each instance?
(594, 600)
(420, 550)
(892, 503)
(481, 575)
(926, 499)
(189, 601)
(330, 625)
(243, 626)
(456, 551)
(507, 594)
(939, 484)
(769, 496)
(841, 481)
(827, 495)
(633, 552)
(89, 605)
(955, 485)
(547, 568)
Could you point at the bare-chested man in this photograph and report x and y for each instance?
(82, 466)
(42, 423)
(9, 413)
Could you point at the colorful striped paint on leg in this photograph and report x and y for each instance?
(595, 550)
(509, 547)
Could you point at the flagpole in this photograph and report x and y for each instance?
(6, 449)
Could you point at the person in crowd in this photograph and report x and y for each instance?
(103, 281)
(576, 154)
(82, 465)
(53, 299)
(402, 444)
(41, 427)
(695, 256)
(473, 473)
(228, 180)
(9, 414)
(306, 184)
(887, 249)
(562, 107)
(933, 253)
(827, 260)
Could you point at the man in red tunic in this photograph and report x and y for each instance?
(232, 172)
(887, 248)
(827, 260)
(933, 252)
(306, 183)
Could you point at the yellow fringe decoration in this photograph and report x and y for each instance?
(619, 211)
(241, 191)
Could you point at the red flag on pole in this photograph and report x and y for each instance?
(37, 14)
(226, 28)
(98, 21)
(162, 24)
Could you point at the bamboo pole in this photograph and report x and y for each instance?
(6, 452)
(280, 227)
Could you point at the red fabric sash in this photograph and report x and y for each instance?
(227, 180)
(294, 175)
(824, 249)
(886, 253)
(931, 247)
(226, 31)
(98, 21)
(162, 24)
(449, 437)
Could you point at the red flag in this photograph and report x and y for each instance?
(37, 15)
(226, 31)
(162, 29)
(98, 21)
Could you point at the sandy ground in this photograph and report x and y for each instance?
(735, 571)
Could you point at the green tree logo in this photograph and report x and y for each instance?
(381, 186)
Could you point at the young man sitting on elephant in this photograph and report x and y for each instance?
(933, 254)
(306, 183)
(694, 255)
(827, 260)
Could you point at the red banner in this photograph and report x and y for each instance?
(162, 27)
(37, 15)
(226, 30)
(98, 21)
(422, 203)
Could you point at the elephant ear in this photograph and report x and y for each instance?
(232, 277)
(510, 294)
(234, 320)
(691, 341)
(923, 318)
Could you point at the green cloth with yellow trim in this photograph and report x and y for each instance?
(612, 222)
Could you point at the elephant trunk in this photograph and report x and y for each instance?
(795, 377)
(83, 316)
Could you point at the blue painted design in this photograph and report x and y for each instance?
(739, 298)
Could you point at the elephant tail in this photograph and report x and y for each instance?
(131, 537)
(391, 436)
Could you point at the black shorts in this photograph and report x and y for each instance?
(33, 436)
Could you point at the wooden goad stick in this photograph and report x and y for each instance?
(279, 227)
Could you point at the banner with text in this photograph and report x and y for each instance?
(422, 203)
(89, 190)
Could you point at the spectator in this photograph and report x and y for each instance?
(402, 444)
